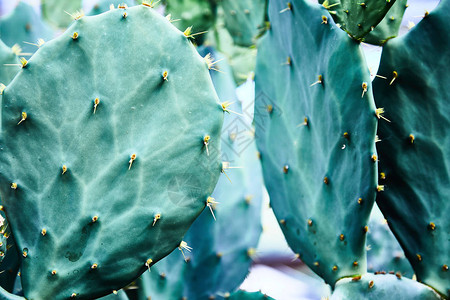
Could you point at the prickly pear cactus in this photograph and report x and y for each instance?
(388, 28)
(414, 160)
(58, 12)
(200, 14)
(103, 144)
(315, 128)
(357, 18)
(382, 286)
(105, 5)
(23, 26)
(244, 19)
(384, 254)
(222, 251)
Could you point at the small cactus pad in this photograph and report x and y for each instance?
(387, 286)
(244, 19)
(60, 13)
(384, 253)
(388, 28)
(315, 128)
(357, 18)
(225, 235)
(104, 128)
(23, 26)
(414, 156)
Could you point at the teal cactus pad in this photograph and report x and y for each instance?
(56, 12)
(105, 5)
(243, 295)
(387, 286)
(413, 147)
(223, 249)
(21, 26)
(104, 129)
(244, 19)
(357, 18)
(384, 253)
(200, 14)
(388, 28)
(315, 128)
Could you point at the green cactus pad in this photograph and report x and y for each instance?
(357, 18)
(243, 295)
(387, 286)
(222, 250)
(315, 129)
(388, 28)
(56, 12)
(244, 19)
(22, 26)
(384, 253)
(200, 14)
(104, 129)
(413, 148)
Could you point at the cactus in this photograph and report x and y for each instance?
(105, 5)
(413, 158)
(200, 14)
(388, 286)
(315, 128)
(81, 142)
(357, 18)
(384, 253)
(56, 12)
(244, 19)
(388, 28)
(222, 251)
(23, 26)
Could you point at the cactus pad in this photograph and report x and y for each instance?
(105, 165)
(357, 18)
(244, 19)
(22, 26)
(388, 28)
(387, 286)
(414, 158)
(315, 128)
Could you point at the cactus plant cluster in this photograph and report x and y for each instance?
(316, 115)
(127, 160)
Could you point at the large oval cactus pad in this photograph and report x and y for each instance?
(315, 127)
(105, 160)
(414, 154)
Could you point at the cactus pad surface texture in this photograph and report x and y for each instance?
(413, 151)
(315, 122)
(104, 163)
